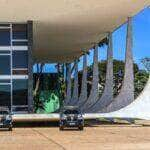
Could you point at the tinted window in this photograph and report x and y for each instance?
(4, 52)
(4, 112)
(4, 65)
(4, 25)
(19, 31)
(20, 59)
(4, 95)
(20, 43)
(4, 81)
(71, 112)
(20, 92)
(4, 37)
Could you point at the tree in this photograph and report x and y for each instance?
(39, 72)
(146, 63)
(140, 81)
(37, 102)
(141, 77)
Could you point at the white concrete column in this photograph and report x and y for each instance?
(83, 94)
(68, 77)
(75, 94)
(94, 90)
(126, 95)
(107, 96)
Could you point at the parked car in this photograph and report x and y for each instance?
(71, 116)
(5, 118)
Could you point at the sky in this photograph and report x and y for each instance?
(141, 42)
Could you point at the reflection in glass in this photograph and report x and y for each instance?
(20, 43)
(20, 59)
(4, 25)
(4, 37)
(4, 80)
(19, 31)
(4, 65)
(20, 92)
(20, 72)
(5, 95)
(4, 52)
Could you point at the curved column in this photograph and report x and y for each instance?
(107, 95)
(83, 94)
(68, 77)
(126, 95)
(139, 108)
(94, 90)
(75, 94)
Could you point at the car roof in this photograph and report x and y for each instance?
(70, 108)
(4, 108)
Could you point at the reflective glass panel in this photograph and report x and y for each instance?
(4, 37)
(4, 65)
(4, 25)
(4, 52)
(20, 92)
(4, 81)
(19, 31)
(5, 95)
(20, 59)
(20, 72)
(20, 43)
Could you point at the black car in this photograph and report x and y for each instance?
(71, 116)
(5, 118)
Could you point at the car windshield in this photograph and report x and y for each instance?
(71, 112)
(4, 112)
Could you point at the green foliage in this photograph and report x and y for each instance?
(146, 63)
(141, 77)
(49, 101)
(140, 80)
(49, 83)
(37, 103)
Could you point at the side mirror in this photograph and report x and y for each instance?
(11, 113)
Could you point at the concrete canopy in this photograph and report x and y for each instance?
(63, 28)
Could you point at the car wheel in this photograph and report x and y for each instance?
(10, 128)
(61, 128)
(80, 127)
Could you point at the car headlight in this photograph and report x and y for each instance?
(8, 117)
(64, 117)
(80, 116)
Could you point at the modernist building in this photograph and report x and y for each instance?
(15, 55)
(62, 31)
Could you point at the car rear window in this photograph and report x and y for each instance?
(71, 112)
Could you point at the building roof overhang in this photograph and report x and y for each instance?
(63, 29)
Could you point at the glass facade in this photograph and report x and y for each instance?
(20, 59)
(5, 65)
(19, 31)
(5, 37)
(13, 66)
(5, 95)
(20, 90)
